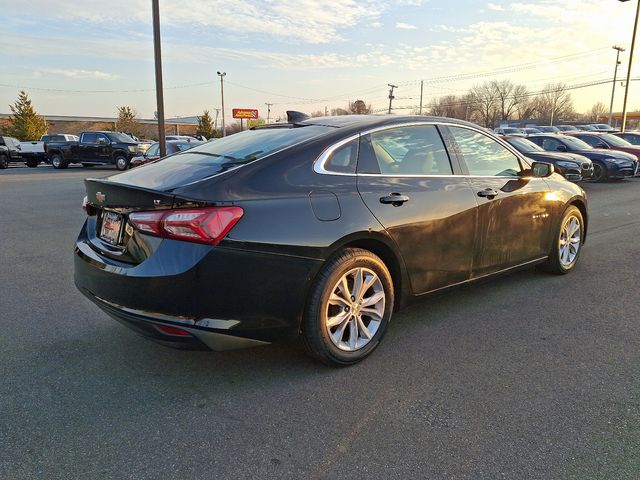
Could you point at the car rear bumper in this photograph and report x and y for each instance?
(223, 297)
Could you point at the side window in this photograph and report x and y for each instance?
(414, 150)
(343, 159)
(551, 144)
(483, 155)
(90, 138)
(102, 139)
(593, 141)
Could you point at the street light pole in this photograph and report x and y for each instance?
(626, 88)
(155, 7)
(615, 77)
(224, 127)
(268, 111)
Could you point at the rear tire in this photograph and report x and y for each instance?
(4, 162)
(58, 161)
(122, 162)
(32, 163)
(349, 308)
(599, 172)
(567, 243)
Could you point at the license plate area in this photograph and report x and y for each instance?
(111, 228)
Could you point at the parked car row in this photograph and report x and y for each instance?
(579, 156)
(88, 149)
(598, 127)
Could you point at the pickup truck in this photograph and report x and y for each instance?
(35, 152)
(94, 148)
(9, 151)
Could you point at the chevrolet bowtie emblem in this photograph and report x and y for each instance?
(101, 197)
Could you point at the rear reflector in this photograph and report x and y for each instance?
(201, 225)
(172, 330)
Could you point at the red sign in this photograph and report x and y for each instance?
(245, 113)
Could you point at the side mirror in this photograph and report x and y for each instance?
(561, 148)
(541, 169)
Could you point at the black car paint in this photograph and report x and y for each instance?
(255, 283)
(622, 165)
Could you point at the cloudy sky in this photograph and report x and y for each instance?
(85, 57)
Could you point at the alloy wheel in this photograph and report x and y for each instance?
(570, 241)
(355, 309)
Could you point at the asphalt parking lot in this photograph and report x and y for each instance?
(526, 376)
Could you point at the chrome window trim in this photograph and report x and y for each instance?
(319, 163)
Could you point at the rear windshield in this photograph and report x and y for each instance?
(247, 146)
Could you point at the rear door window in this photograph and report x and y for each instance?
(410, 150)
(89, 138)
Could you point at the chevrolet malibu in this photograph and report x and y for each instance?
(318, 228)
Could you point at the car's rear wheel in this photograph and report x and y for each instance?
(599, 172)
(58, 162)
(4, 162)
(122, 163)
(350, 306)
(32, 163)
(567, 243)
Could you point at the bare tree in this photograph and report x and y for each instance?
(597, 109)
(554, 102)
(359, 108)
(317, 113)
(339, 111)
(486, 107)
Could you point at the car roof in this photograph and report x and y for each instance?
(372, 121)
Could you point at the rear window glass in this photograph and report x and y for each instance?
(244, 147)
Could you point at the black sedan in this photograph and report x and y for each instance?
(571, 166)
(319, 228)
(607, 164)
(632, 137)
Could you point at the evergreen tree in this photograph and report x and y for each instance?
(24, 123)
(205, 125)
(127, 121)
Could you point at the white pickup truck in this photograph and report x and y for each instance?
(35, 152)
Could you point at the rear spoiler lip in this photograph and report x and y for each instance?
(98, 191)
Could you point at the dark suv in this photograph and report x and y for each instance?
(9, 151)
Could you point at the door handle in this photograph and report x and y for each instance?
(489, 193)
(395, 199)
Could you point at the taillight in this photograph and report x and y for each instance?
(201, 225)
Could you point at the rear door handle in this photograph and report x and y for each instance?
(489, 193)
(395, 199)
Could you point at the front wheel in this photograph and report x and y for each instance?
(349, 309)
(599, 172)
(4, 162)
(122, 163)
(567, 243)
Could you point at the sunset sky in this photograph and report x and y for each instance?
(87, 57)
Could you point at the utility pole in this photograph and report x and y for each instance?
(326, 111)
(155, 7)
(215, 123)
(626, 88)
(421, 88)
(391, 97)
(268, 111)
(615, 76)
(224, 127)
